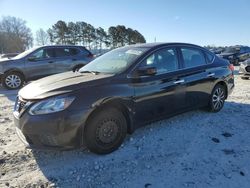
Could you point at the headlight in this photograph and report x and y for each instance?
(51, 105)
(230, 57)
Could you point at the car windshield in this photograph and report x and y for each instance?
(115, 61)
(231, 50)
(25, 53)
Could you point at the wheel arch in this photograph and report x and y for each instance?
(224, 84)
(78, 66)
(17, 71)
(120, 104)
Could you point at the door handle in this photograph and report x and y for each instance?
(51, 62)
(179, 81)
(210, 74)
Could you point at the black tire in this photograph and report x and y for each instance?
(105, 131)
(217, 98)
(12, 80)
(77, 67)
(244, 78)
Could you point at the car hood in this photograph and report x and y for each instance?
(5, 60)
(61, 84)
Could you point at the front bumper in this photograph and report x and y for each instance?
(61, 130)
(243, 70)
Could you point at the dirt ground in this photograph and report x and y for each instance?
(195, 149)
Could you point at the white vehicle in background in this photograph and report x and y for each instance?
(244, 69)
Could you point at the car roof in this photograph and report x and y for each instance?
(158, 44)
(62, 46)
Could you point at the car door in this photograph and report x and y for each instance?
(40, 63)
(198, 75)
(160, 94)
(67, 58)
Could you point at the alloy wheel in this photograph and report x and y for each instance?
(13, 81)
(218, 98)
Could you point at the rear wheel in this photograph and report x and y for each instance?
(105, 131)
(217, 98)
(77, 67)
(12, 80)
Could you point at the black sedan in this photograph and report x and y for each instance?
(118, 92)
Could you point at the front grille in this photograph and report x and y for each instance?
(21, 105)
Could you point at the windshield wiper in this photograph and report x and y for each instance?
(93, 72)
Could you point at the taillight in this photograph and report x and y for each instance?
(231, 67)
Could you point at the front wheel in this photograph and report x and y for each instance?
(217, 98)
(105, 131)
(12, 80)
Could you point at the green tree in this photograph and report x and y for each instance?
(73, 33)
(101, 37)
(82, 29)
(60, 31)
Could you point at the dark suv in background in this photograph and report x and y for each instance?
(40, 62)
(236, 54)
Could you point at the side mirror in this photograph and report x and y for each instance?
(32, 58)
(146, 71)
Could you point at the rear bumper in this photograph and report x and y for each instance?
(62, 130)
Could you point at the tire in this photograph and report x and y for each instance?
(105, 131)
(244, 78)
(217, 98)
(12, 80)
(77, 67)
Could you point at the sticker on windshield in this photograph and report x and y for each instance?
(135, 52)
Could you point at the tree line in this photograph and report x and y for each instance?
(87, 35)
(15, 36)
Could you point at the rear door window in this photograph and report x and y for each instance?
(65, 52)
(192, 57)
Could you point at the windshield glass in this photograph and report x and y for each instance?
(21, 55)
(232, 50)
(114, 61)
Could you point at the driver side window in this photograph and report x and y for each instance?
(164, 60)
(43, 54)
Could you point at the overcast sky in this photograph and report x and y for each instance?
(202, 22)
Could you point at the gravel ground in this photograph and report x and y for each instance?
(195, 149)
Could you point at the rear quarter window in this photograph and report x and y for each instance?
(85, 52)
(209, 57)
(193, 57)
